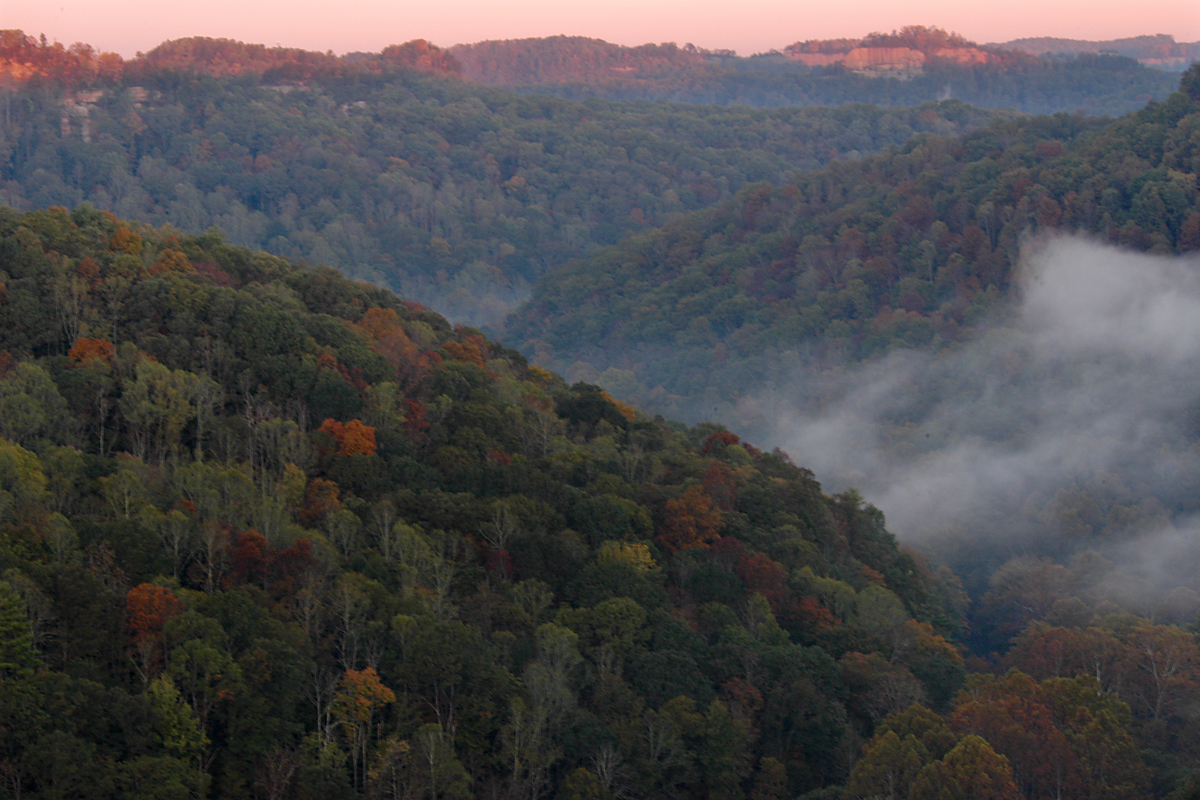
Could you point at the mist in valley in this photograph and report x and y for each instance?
(1070, 424)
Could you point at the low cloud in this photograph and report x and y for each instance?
(1070, 422)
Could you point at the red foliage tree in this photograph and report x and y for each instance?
(720, 437)
(467, 352)
(814, 616)
(415, 424)
(147, 609)
(721, 485)
(290, 564)
(1014, 715)
(762, 575)
(251, 559)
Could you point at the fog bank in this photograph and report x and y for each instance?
(1069, 422)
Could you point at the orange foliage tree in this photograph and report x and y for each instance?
(125, 241)
(354, 706)
(171, 261)
(691, 520)
(353, 438)
(320, 498)
(86, 350)
(467, 352)
(972, 769)
(379, 323)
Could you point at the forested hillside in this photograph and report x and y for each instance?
(1160, 50)
(907, 248)
(950, 67)
(267, 532)
(456, 195)
(388, 167)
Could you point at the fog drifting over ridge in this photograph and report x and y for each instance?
(1071, 421)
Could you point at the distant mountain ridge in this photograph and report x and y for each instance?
(1159, 50)
(908, 67)
(913, 65)
(24, 58)
(902, 53)
(569, 59)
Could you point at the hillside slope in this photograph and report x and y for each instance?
(267, 531)
(276, 517)
(457, 195)
(906, 248)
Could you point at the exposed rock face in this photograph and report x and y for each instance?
(879, 61)
(891, 61)
(818, 59)
(884, 59)
(963, 55)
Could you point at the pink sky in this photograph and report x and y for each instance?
(748, 26)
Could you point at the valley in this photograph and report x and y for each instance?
(551, 419)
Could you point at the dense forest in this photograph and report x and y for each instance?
(906, 248)
(271, 533)
(390, 168)
(456, 195)
(760, 312)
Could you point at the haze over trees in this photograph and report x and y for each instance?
(1160, 50)
(456, 195)
(906, 248)
(904, 68)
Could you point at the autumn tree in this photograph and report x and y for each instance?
(690, 520)
(355, 705)
(351, 438)
(1166, 667)
(970, 771)
(148, 608)
(1014, 716)
(888, 767)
